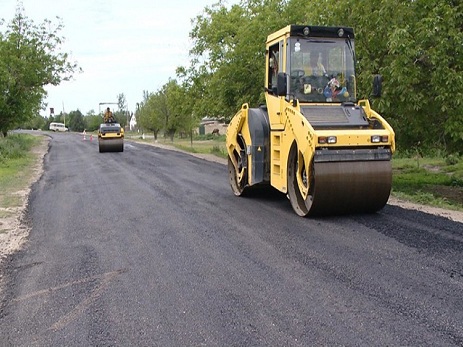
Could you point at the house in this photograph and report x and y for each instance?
(212, 126)
(132, 123)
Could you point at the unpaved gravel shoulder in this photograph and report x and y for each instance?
(13, 232)
(455, 216)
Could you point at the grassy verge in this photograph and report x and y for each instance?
(206, 144)
(207, 147)
(430, 181)
(16, 161)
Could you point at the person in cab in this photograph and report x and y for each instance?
(108, 116)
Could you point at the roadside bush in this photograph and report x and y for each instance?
(15, 146)
(209, 137)
(218, 151)
(452, 159)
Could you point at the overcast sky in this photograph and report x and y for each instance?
(123, 46)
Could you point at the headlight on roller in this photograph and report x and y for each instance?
(379, 138)
(323, 140)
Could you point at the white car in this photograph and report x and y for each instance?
(58, 127)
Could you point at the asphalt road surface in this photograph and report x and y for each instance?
(149, 247)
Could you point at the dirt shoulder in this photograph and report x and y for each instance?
(13, 232)
(455, 216)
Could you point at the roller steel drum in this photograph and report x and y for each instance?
(111, 137)
(111, 145)
(351, 186)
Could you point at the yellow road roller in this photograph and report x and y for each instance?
(313, 140)
(111, 137)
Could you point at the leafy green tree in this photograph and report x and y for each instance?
(29, 60)
(180, 120)
(215, 35)
(92, 121)
(227, 60)
(36, 122)
(416, 46)
(190, 92)
(163, 111)
(59, 118)
(121, 114)
(426, 73)
(76, 121)
(149, 113)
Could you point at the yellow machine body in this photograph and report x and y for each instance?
(329, 152)
(110, 137)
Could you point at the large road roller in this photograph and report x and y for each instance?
(111, 137)
(313, 140)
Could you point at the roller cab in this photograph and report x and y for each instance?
(313, 140)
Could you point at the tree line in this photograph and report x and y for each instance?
(77, 121)
(30, 59)
(417, 46)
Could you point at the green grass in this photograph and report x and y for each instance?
(15, 146)
(431, 181)
(16, 159)
(205, 144)
(204, 147)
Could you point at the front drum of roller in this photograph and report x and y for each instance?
(111, 145)
(349, 187)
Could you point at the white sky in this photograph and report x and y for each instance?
(123, 46)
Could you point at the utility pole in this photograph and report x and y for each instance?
(64, 115)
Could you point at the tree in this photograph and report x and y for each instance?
(36, 122)
(214, 69)
(416, 46)
(180, 119)
(92, 120)
(29, 60)
(426, 73)
(76, 121)
(228, 55)
(59, 118)
(121, 114)
(149, 113)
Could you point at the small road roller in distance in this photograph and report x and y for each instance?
(111, 137)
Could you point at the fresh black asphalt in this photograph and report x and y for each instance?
(149, 247)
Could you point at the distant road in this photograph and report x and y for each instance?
(149, 247)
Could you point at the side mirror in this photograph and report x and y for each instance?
(377, 86)
(282, 84)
